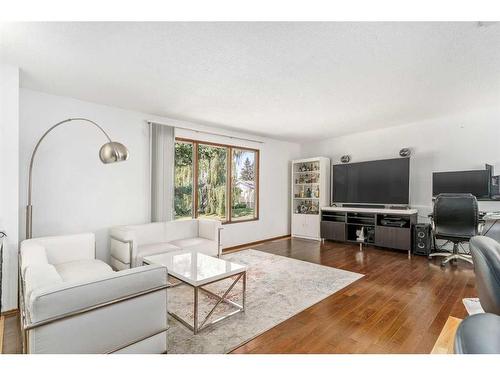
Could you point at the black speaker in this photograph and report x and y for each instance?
(345, 159)
(422, 239)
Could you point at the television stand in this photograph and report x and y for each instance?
(383, 227)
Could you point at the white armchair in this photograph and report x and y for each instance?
(71, 302)
(131, 243)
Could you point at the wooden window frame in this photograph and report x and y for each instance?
(229, 179)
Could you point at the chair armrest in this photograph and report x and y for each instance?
(480, 226)
(62, 249)
(61, 301)
(431, 220)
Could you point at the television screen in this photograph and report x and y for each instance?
(474, 182)
(376, 182)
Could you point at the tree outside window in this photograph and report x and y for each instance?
(183, 186)
(243, 197)
(212, 172)
(202, 185)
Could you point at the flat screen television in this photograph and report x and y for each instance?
(475, 182)
(372, 182)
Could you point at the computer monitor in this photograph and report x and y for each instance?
(476, 182)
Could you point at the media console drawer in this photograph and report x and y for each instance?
(394, 238)
(331, 230)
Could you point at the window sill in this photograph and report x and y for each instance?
(239, 221)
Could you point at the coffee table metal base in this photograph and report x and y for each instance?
(196, 327)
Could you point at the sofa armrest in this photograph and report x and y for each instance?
(123, 245)
(60, 301)
(62, 249)
(32, 254)
(126, 239)
(211, 230)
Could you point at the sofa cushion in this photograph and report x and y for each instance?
(79, 270)
(63, 249)
(152, 249)
(197, 244)
(179, 229)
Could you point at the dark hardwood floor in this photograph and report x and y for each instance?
(399, 306)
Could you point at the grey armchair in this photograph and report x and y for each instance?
(486, 256)
(480, 333)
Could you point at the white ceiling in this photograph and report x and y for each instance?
(294, 81)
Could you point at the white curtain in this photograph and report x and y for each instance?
(162, 172)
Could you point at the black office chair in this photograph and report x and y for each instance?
(480, 333)
(455, 219)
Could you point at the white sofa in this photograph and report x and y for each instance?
(71, 302)
(130, 243)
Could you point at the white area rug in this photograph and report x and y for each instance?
(277, 289)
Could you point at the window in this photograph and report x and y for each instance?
(212, 184)
(216, 181)
(243, 183)
(183, 177)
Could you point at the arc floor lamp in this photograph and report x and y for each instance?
(110, 152)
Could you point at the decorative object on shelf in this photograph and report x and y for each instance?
(405, 152)
(310, 191)
(110, 152)
(360, 233)
(345, 159)
(307, 207)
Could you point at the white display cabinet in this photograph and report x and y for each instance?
(310, 191)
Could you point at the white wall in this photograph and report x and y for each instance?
(9, 180)
(74, 192)
(458, 142)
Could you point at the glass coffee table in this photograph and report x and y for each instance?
(199, 270)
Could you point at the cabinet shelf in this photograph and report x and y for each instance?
(382, 229)
(306, 208)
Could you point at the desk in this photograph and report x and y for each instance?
(491, 219)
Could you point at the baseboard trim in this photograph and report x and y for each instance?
(9, 313)
(248, 244)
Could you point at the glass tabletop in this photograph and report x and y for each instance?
(195, 268)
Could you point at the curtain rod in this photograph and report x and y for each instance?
(209, 133)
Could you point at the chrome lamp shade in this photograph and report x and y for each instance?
(112, 152)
